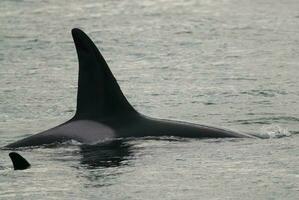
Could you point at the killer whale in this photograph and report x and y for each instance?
(103, 112)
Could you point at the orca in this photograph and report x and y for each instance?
(103, 112)
(19, 163)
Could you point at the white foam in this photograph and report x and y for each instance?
(274, 131)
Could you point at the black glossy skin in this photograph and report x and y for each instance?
(104, 113)
(19, 163)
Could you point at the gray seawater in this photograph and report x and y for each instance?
(226, 63)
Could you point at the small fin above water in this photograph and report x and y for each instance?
(19, 163)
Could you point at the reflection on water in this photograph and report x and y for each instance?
(109, 154)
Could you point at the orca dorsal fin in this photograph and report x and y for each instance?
(19, 163)
(99, 95)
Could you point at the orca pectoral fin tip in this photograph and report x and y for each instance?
(19, 163)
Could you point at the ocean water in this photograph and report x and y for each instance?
(226, 63)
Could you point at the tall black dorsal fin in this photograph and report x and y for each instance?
(99, 95)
